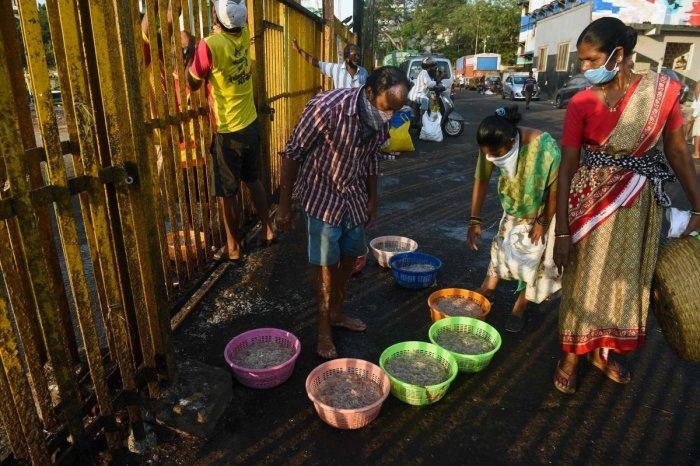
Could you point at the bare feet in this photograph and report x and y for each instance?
(326, 348)
(348, 323)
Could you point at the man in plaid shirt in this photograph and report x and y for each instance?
(331, 165)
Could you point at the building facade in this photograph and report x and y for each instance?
(669, 35)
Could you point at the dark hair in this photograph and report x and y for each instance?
(348, 49)
(384, 78)
(497, 130)
(605, 34)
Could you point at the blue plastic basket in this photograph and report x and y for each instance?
(410, 279)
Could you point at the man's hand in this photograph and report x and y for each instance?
(537, 233)
(284, 216)
(474, 237)
(693, 226)
(372, 214)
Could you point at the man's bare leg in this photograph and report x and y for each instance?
(257, 192)
(697, 147)
(341, 278)
(227, 207)
(324, 292)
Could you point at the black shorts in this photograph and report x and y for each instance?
(236, 158)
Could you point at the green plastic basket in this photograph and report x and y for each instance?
(468, 362)
(413, 394)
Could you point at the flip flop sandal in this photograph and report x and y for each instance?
(563, 381)
(611, 370)
(515, 324)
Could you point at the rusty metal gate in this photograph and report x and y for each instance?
(106, 216)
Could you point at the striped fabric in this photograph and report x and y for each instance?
(340, 76)
(335, 165)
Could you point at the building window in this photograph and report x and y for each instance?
(563, 57)
(542, 59)
(677, 56)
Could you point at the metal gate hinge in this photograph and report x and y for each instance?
(119, 176)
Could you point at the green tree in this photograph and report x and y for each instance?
(46, 36)
(452, 27)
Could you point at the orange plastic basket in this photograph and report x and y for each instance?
(181, 242)
(436, 314)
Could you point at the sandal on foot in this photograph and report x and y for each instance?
(348, 323)
(514, 323)
(563, 381)
(612, 370)
(329, 352)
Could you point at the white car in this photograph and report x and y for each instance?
(513, 88)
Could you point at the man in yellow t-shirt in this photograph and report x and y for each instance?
(222, 60)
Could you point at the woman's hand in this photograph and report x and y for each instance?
(537, 233)
(474, 237)
(562, 250)
(693, 226)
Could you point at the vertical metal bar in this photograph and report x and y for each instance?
(25, 317)
(194, 217)
(9, 418)
(171, 110)
(35, 260)
(21, 393)
(10, 40)
(158, 81)
(57, 175)
(146, 230)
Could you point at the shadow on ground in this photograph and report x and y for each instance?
(509, 413)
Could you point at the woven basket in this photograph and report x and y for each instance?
(677, 282)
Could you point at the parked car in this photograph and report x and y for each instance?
(674, 75)
(412, 67)
(564, 94)
(513, 88)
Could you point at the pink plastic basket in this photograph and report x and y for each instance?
(263, 378)
(347, 418)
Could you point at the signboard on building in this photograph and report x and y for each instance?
(673, 12)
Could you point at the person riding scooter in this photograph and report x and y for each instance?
(419, 93)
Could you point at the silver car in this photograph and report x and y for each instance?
(513, 88)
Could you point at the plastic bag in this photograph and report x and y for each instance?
(399, 139)
(678, 221)
(432, 127)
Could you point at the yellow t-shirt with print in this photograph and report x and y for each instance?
(223, 59)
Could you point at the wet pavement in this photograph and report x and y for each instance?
(509, 413)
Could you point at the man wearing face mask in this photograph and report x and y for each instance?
(331, 164)
(346, 74)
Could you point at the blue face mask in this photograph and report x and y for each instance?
(602, 75)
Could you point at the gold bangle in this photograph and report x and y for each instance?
(563, 236)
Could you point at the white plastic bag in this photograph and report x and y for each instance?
(678, 220)
(521, 259)
(432, 127)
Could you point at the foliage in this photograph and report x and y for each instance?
(446, 26)
(46, 35)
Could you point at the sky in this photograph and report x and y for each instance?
(343, 8)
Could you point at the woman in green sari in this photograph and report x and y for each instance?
(528, 161)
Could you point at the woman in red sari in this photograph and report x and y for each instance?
(610, 198)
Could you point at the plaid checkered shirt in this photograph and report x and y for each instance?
(335, 163)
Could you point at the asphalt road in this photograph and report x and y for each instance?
(509, 413)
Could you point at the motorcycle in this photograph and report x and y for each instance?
(452, 121)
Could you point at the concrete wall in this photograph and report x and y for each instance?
(551, 32)
(650, 50)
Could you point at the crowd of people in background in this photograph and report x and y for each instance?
(588, 215)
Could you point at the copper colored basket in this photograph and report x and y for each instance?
(347, 418)
(436, 314)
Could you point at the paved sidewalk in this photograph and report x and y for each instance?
(509, 413)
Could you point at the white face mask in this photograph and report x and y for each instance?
(507, 163)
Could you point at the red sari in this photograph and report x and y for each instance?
(614, 220)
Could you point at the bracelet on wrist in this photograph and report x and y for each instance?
(562, 235)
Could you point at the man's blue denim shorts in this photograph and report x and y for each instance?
(328, 243)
